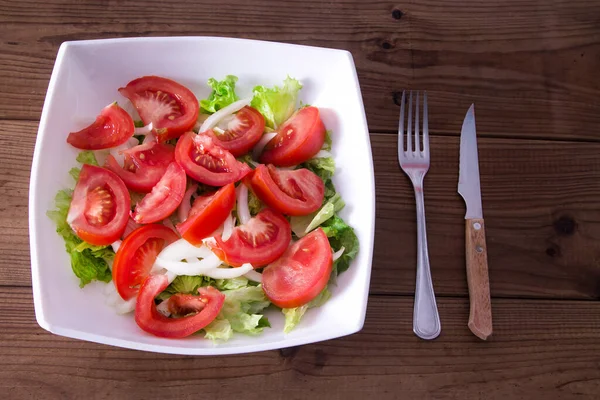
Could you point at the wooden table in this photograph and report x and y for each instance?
(532, 68)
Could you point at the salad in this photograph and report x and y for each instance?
(203, 214)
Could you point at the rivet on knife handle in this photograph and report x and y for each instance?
(480, 316)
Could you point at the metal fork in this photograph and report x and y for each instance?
(415, 163)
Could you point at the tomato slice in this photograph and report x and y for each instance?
(100, 207)
(164, 197)
(111, 128)
(243, 132)
(297, 192)
(137, 254)
(171, 107)
(298, 139)
(207, 162)
(207, 214)
(144, 165)
(152, 321)
(260, 241)
(301, 273)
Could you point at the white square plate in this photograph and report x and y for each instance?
(86, 77)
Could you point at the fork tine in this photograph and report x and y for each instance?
(417, 122)
(409, 147)
(401, 126)
(425, 127)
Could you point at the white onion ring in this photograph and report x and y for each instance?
(117, 152)
(222, 113)
(253, 276)
(258, 148)
(228, 226)
(243, 211)
(163, 308)
(228, 273)
(183, 268)
(338, 253)
(184, 208)
(323, 154)
(182, 249)
(116, 244)
(144, 130)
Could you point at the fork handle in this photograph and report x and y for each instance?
(426, 320)
(480, 316)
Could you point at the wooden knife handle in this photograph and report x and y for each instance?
(480, 316)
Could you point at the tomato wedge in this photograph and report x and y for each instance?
(144, 165)
(136, 255)
(298, 139)
(297, 192)
(111, 128)
(301, 273)
(243, 132)
(207, 162)
(260, 241)
(164, 197)
(152, 321)
(100, 207)
(207, 214)
(171, 107)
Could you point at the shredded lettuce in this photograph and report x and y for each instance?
(304, 224)
(88, 262)
(222, 95)
(278, 103)
(294, 315)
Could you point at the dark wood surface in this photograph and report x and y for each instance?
(532, 69)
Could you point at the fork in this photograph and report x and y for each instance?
(415, 163)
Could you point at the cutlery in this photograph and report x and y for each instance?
(480, 315)
(415, 163)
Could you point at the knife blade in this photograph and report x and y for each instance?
(469, 187)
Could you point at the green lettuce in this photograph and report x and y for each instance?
(84, 157)
(278, 103)
(306, 223)
(88, 262)
(185, 284)
(294, 315)
(341, 235)
(222, 95)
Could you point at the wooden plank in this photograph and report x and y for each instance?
(540, 349)
(539, 198)
(531, 72)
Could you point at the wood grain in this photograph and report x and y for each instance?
(530, 66)
(540, 202)
(541, 349)
(480, 309)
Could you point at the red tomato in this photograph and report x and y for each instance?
(260, 241)
(152, 321)
(298, 139)
(301, 273)
(164, 197)
(242, 133)
(297, 192)
(172, 108)
(111, 128)
(144, 165)
(208, 163)
(137, 254)
(100, 207)
(207, 214)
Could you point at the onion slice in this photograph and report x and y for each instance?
(228, 226)
(144, 130)
(243, 210)
(182, 249)
(116, 244)
(258, 148)
(222, 113)
(184, 268)
(186, 205)
(253, 276)
(323, 154)
(117, 152)
(229, 273)
(338, 253)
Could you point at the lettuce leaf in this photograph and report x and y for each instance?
(341, 234)
(88, 262)
(294, 315)
(278, 103)
(185, 284)
(84, 157)
(306, 223)
(222, 95)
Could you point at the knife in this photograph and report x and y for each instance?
(480, 315)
